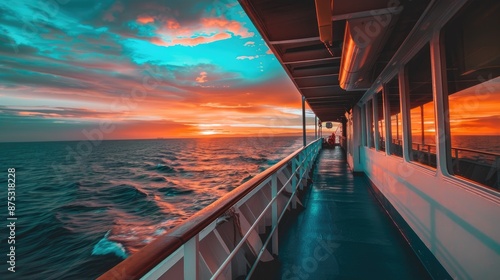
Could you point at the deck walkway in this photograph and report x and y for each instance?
(343, 233)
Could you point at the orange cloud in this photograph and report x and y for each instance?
(150, 130)
(474, 111)
(173, 24)
(208, 30)
(191, 42)
(218, 105)
(145, 19)
(202, 78)
(250, 109)
(230, 25)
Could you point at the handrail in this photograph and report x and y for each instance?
(148, 257)
(455, 148)
(476, 151)
(262, 214)
(264, 246)
(247, 234)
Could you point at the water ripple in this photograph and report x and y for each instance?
(78, 217)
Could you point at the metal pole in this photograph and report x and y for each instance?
(315, 127)
(304, 120)
(191, 251)
(274, 213)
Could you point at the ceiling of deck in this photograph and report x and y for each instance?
(290, 28)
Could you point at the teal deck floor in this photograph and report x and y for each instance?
(343, 232)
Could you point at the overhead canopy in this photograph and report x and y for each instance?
(290, 28)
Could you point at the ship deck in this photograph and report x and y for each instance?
(342, 232)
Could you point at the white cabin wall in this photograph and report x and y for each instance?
(456, 219)
(458, 223)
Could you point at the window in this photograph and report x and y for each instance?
(396, 133)
(380, 121)
(472, 54)
(422, 119)
(369, 116)
(363, 125)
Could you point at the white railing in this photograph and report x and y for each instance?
(207, 246)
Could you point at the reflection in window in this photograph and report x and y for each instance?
(473, 69)
(392, 91)
(380, 121)
(423, 130)
(369, 115)
(363, 125)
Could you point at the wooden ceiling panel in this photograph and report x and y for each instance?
(316, 81)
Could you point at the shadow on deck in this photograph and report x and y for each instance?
(342, 232)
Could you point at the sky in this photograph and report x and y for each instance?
(123, 69)
(117, 69)
(472, 111)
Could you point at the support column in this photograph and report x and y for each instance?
(441, 106)
(315, 127)
(304, 120)
(387, 118)
(405, 113)
(376, 133)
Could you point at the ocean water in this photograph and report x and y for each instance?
(83, 207)
(483, 143)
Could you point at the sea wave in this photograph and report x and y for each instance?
(164, 168)
(136, 189)
(105, 246)
(173, 191)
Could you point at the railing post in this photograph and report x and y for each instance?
(191, 258)
(294, 181)
(274, 213)
(310, 158)
(303, 166)
(307, 160)
(306, 167)
(304, 121)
